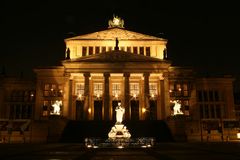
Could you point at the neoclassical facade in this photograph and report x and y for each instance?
(112, 66)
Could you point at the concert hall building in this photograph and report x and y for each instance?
(115, 65)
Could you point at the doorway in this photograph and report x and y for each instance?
(79, 110)
(135, 110)
(98, 110)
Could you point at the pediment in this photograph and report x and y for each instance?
(113, 33)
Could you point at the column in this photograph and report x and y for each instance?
(70, 100)
(165, 98)
(106, 96)
(126, 95)
(86, 96)
(146, 93)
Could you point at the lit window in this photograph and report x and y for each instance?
(153, 89)
(134, 89)
(116, 89)
(79, 89)
(98, 89)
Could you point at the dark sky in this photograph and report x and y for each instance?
(202, 35)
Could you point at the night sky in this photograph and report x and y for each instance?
(201, 35)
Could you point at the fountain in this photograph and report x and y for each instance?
(119, 136)
(119, 130)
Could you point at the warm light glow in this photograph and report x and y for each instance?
(89, 146)
(143, 110)
(170, 91)
(89, 110)
(152, 95)
(142, 78)
(98, 95)
(238, 135)
(51, 89)
(116, 96)
(179, 89)
(176, 107)
(90, 78)
(120, 147)
(134, 95)
(61, 91)
(80, 96)
(32, 95)
(56, 108)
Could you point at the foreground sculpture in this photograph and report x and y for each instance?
(119, 130)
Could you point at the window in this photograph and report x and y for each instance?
(109, 48)
(79, 90)
(97, 50)
(98, 89)
(53, 90)
(185, 90)
(90, 52)
(116, 89)
(134, 89)
(20, 111)
(153, 89)
(199, 95)
(148, 51)
(103, 49)
(52, 107)
(84, 51)
(141, 50)
(128, 49)
(135, 50)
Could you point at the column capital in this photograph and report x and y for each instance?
(87, 74)
(126, 74)
(106, 74)
(147, 74)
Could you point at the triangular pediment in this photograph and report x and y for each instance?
(116, 56)
(113, 33)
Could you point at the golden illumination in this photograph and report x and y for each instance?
(170, 91)
(144, 110)
(89, 110)
(152, 95)
(116, 96)
(32, 95)
(238, 135)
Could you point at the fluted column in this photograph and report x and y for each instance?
(86, 95)
(126, 95)
(106, 96)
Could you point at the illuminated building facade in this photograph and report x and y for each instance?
(116, 65)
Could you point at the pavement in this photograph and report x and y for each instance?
(162, 151)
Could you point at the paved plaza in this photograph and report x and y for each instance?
(162, 151)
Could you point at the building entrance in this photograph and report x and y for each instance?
(134, 110)
(98, 110)
(79, 110)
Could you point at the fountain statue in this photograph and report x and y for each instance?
(119, 130)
